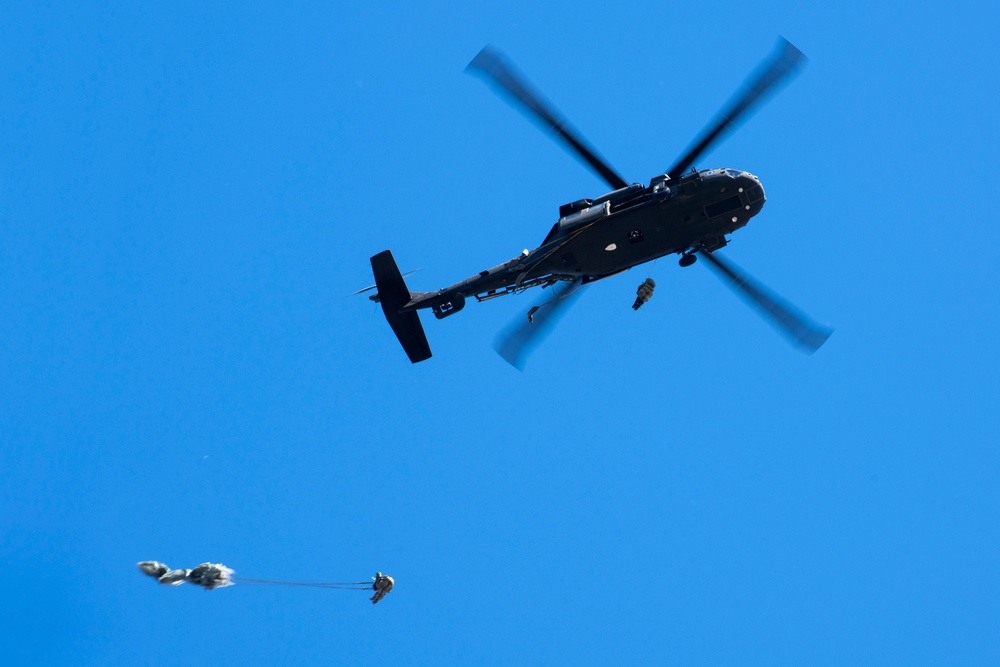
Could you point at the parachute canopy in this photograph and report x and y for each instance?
(207, 575)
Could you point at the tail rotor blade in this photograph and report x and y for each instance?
(522, 337)
(785, 62)
(495, 68)
(371, 287)
(802, 331)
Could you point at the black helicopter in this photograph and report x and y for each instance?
(688, 214)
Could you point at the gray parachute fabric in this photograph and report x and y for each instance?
(153, 568)
(215, 575)
(174, 577)
(207, 575)
(211, 576)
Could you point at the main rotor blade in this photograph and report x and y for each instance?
(785, 61)
(492, 65)
(785, 317)
(521, 337)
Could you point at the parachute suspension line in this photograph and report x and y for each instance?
(343, 585)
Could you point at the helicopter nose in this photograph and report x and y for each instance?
(753, 191)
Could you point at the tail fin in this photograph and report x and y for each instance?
(393, 295)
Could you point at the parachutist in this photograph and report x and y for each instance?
(644, 293)
(216, 575)
(383, 584)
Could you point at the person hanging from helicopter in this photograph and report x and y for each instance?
(215, 575)
(644, 293)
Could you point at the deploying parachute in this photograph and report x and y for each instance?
(216, 575)
(207, 575)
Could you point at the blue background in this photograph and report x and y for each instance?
(188, 194)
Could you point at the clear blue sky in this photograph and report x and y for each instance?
(189, 194)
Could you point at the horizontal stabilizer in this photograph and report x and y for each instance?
(393, 295)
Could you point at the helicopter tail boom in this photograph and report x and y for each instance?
(393, 296)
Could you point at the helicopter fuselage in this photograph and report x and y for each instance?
(597, 238)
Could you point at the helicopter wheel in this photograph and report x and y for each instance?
(688, 259)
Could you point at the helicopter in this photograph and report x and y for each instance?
(688, 213)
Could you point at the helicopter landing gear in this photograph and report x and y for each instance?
(687, 259)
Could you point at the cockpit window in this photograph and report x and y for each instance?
(724, 206)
